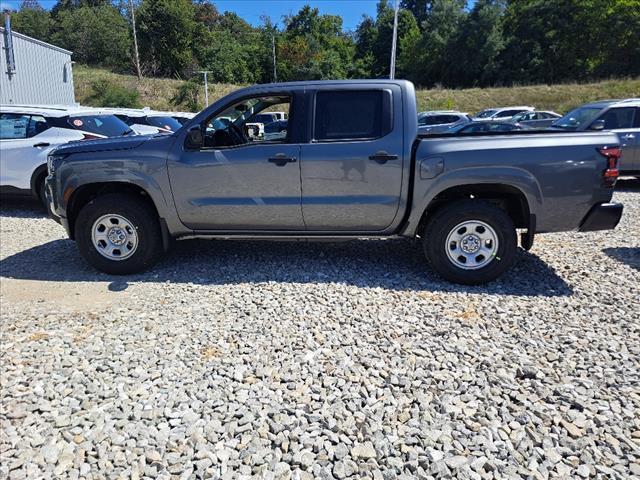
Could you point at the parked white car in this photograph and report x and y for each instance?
(181, 117)
(501, 114)
(145, 121)
(28, 133)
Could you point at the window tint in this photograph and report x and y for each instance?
(508, 113)
(37, 125)
(107, 125)
(237, 124)
(168, 123)
(429, 120)
(343, 115)
(618, 118)
(636, 124)
(13, 126)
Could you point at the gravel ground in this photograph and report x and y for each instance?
(295, 360)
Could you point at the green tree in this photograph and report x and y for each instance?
(95, 35)
(478, 46)
(314, 46)
(166, 31)
(32, 20)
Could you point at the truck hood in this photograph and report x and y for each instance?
(102, 145)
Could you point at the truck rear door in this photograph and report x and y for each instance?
(351, 169)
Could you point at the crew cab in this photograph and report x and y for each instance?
(333, 175)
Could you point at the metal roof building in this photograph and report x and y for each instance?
(34, 72)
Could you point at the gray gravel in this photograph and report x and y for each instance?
(294, 360)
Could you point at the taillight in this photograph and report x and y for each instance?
(610, 174)
(88, 136)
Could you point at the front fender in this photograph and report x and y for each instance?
(425, 191)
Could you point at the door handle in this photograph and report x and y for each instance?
(628, 136)
(42, 144)
(281, 160)
(382, 157)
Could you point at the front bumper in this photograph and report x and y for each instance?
(604, 216)
(53, 207)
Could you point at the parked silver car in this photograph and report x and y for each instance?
(536, 119)
(619, 116)
(439, 121)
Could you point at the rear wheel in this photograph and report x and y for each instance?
(470, 242)
(118, 234)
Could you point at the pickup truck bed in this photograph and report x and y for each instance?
(349, 165)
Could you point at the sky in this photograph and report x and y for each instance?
(351, 11)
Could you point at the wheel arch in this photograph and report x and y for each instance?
(84, 193)
(39, 173)
(505, 196)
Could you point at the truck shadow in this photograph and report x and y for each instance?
(627, 255)
(21, 207)
(388, 264)
(628, 184)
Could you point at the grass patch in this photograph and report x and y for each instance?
(158, 92)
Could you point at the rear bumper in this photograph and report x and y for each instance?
(604, 216)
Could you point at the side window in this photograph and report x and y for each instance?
(636, 124)
(352, 115)
(240, 124)
(37, 125)
(616, 118)
(13, 126)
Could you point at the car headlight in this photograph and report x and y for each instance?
(53, 161)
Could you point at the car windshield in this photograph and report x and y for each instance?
(486, 113)
(107, 125)
(168, 123)
(577, 117)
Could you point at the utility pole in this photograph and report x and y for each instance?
(206, 87)
(273, 48)
(135, 40)
(394, 42)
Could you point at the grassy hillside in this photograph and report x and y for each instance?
(157, 92)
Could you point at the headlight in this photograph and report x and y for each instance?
(53, 161)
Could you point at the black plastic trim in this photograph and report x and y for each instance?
(604, 216)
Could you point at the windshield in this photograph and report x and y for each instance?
(107, 125)
(168, 123)
(486, 113)
(577, 118)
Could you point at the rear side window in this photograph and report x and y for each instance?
(618, 118)
(107, 125)
(352, 114)
(37, 125)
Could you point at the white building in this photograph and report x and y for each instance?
(34, 72)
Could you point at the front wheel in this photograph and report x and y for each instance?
(118, 234)
(470, 242)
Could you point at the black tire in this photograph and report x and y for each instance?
(40, 189)
(444, 221)
(139, 214)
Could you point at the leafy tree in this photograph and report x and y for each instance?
(32, 20)
(314, 46)
(477, 46)
(96, 35)
(187, 95)
(166, 31)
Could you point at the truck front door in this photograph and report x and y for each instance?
(352, 167)
(230, 179)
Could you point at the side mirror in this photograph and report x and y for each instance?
(193, 141)
(597, 125)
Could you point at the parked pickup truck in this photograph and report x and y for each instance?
(349, 165)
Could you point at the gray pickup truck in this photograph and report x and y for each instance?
(348, 165)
